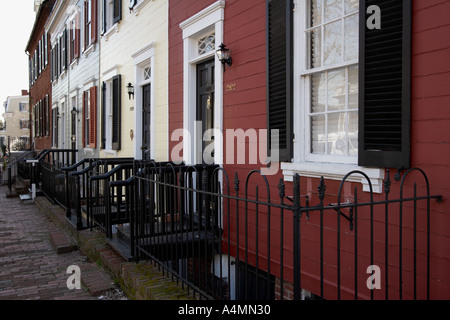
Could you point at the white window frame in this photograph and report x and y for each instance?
(108, 78)
(335, 168)
(110, 27)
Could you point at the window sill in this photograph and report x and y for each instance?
(137, 8)
(73, 63)
(113, 29)
(335, 172)
(88, 151)
(110, 152)
(89, 49)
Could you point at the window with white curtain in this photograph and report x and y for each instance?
(329, 80)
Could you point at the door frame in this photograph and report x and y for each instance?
(210, 19)
(144, 58)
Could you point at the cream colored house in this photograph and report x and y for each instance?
(16, 121)
(134, 54)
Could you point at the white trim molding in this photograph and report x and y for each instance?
(335, 172)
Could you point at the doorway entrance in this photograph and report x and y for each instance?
(205, 109)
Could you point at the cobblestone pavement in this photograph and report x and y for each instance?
(30, 269)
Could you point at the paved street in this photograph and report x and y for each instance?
(29, 266)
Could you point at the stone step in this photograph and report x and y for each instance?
(62, 243)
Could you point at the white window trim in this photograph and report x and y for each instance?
(138, 7)
(300, 163)
(205, 21)
(107, 78)
(144, 58)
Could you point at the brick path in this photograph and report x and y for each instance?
(30, 268)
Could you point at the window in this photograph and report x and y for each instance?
(24, 124)
(111, 13)
(111, 115)
(23, 107)
(74, 39)
(90, 118)
(90, 22)
(55, 127)
(206, 44)
(329, 79)
(336, 123)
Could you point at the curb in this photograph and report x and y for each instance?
(139, 281)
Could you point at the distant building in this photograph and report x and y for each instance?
(16, 123)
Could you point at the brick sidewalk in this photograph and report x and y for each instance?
(30, 267)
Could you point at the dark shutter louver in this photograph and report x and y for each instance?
(116, 111)
(279, 74)
(117, 14)
(385, 86)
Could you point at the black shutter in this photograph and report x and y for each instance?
(103, 136)
(116, 111)
(104, 4)
(117, 11)
(279, 74)
(385, 86)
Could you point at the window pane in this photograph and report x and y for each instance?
(318, 138)
(336, 90)
(318, 94)
(316, 12)
(353, 134)
(351, 37)
(351, 6)
(337, 143)
(315, 44)
(333, 9)
(353, 85)
(332, 43)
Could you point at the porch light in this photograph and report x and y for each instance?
(224, 55)
(130, 90)
(74, 112)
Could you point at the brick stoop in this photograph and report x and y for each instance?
(95, 279)
(62, 243)
(140, 281)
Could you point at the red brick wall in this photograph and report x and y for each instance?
(42, 86)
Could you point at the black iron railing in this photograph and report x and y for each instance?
(232, 240)
(49, 175)
(106, 208)
(224, 238)
(78, 191)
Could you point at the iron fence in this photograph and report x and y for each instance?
(224, 238)
(231, 240)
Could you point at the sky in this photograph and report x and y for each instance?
(16, 23)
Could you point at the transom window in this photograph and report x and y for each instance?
(147, 73)
(207, 44)
(330, 78)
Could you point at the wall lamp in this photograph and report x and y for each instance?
(224, 55)
(74, 112)
(130, 90)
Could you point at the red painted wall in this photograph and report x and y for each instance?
(245, 108)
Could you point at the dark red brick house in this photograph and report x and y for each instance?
(350, 86)
(38, 50)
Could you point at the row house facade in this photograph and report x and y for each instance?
(334, 104)
(40, 91)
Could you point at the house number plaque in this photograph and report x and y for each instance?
(230, 87)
